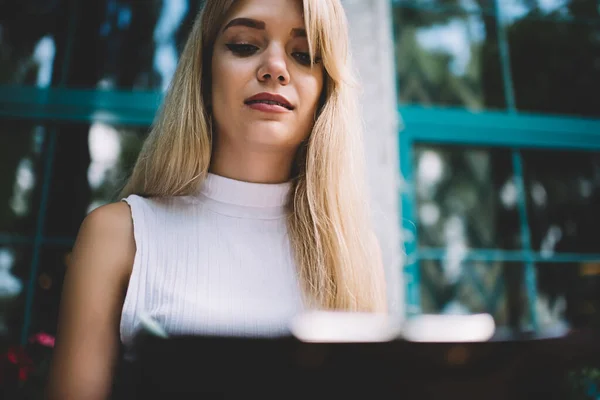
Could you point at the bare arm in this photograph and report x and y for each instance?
(87, 340)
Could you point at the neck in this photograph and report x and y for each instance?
(248, 165)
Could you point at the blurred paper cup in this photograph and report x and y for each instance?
(345, 327)
(449, 328)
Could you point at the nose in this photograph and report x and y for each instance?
(274, 67)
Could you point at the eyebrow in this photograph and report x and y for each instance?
(248, 22)
(260, 25)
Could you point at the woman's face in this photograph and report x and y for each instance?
(265, 93)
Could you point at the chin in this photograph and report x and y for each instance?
(271, 136)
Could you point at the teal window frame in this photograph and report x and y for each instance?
(508, 129)
(58, 105)
(489, 129)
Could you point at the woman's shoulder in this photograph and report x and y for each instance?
(165, 202)
(150, 214)
(114, 216)
(111, 221)
(106, 239)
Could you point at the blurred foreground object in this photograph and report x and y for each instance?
(344, 327)
(449, 328)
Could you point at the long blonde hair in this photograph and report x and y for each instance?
(329, 222)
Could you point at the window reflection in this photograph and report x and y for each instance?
(447, 58)
(14, 268)
(462, 199)
(20, 161)
(476, 287)
(563, 200)
(569, 293)
(447, 54)
(517, 9)
(130, 44)
(165, 53)
(92, 163)
(30, 33)
(113, 151)
(449, 5)
(555, 66)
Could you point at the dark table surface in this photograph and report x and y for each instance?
(506, 367)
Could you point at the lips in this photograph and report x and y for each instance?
(269, 99)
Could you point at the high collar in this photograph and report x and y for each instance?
(245, 199)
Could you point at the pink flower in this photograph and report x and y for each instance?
(13, 355)
(17, 356)
(24, 373)
(43, 338)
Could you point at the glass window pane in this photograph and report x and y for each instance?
(91, 166)
(466, 198)
(557, 9)
(48, 290)
(21, 147)
(31, 37)
(130, 44)
(449, 287)
(569, 294)
(113, 152)
(14, 270)
(555, 65)
(475, 6)
(563, 192)
(447, 58)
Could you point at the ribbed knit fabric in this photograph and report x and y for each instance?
(217, 263)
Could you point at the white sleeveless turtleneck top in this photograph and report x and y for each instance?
(217, 263)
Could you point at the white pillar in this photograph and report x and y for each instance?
(372, 44)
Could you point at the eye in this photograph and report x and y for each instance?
(304, 58)
(242, 49)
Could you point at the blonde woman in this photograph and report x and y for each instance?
(246, 205)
